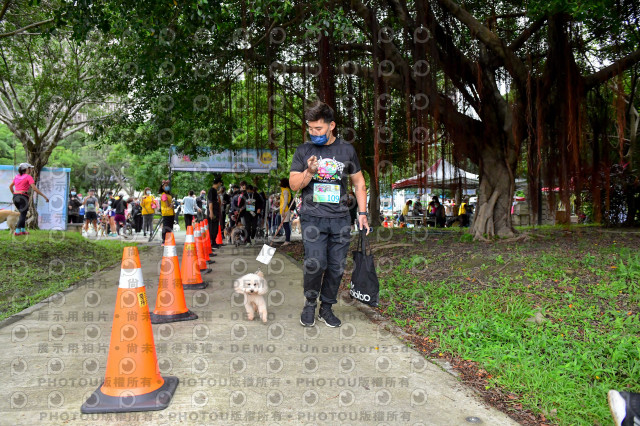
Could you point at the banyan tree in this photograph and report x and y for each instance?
(540, 89)
(508, 83)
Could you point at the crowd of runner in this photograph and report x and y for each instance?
(241, 204)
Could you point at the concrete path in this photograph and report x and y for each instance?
(231, 371)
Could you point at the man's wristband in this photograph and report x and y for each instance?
(362, 213)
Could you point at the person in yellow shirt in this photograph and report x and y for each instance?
(405, 211)
(462, 209)
(285, 213)
(166, 208)
(148, 204)
(462, 213)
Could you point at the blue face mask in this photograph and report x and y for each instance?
(73, 193)
(319, 139)
(167, 188)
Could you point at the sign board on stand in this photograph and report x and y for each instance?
(54, 183)
(237, 161)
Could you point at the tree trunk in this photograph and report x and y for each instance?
(634, 120)
(38, 159)
(326, 79)
(32, 216)
(374, 198)
(495, 197)
(633, 187)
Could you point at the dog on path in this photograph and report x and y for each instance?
(236, 235)
(254, 287)
(11, 218)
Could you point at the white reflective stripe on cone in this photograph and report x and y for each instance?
(131, 278)
(197, 233)
(189, 239)
(170, 251)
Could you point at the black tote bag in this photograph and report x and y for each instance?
(364, 281)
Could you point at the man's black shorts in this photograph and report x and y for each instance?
(90, 216)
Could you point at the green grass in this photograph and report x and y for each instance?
(587, 290)
(43, 263)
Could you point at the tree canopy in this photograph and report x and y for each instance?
(544, 89)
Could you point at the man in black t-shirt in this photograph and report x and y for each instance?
(237, 206)
(226, 204)
(321, 168)
(213, 204)
(74, 206)
(254, 206)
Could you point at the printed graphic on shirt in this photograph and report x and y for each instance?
(329, 170)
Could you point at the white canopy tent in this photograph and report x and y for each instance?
(441, 173)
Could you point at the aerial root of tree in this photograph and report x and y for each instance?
(521, 237)
(484, 221)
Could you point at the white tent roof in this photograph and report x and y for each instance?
(441, 173)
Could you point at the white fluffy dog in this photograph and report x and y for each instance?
(254, 287)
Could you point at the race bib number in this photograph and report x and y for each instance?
(326, 193)
(251, 208)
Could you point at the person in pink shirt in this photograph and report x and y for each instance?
(20, 187)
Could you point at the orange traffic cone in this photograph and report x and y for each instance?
(191, 277)
(170, 303)
(219, 237)
(207, 238)
(206, 242)
(132, 381)
(202, 262)
(205, 245)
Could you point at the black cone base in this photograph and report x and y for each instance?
(211, 261)
(198, 286)
(205, 271)
(161, 319)
(159, 399)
